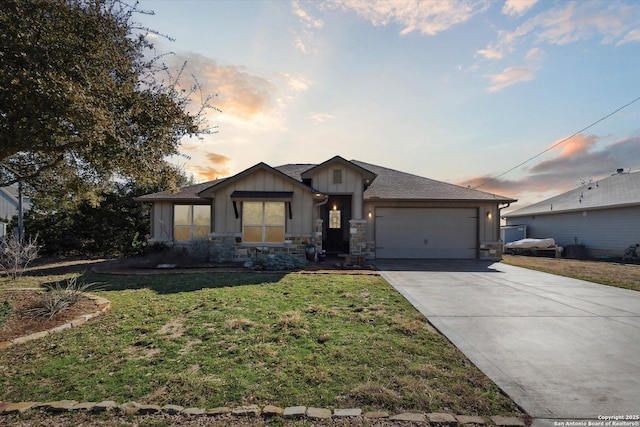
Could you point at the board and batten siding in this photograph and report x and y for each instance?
(225, 220)
(352, 184)
(601, 231)
(162, 221)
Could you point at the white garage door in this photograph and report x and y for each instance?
(426, 233)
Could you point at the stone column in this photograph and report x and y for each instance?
(357, 237)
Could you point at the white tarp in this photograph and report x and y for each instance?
(531, 244)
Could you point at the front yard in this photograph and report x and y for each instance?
(230, 339)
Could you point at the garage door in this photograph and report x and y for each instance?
(426, 233)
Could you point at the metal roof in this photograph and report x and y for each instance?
(619, 190)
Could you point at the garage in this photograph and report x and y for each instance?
(426, 233)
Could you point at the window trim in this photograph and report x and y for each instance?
(192, 225)
(263, 225)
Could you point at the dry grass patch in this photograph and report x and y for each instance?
(604, 272)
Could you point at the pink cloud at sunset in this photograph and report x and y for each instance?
(215, 166)
(577, 160)
(239, 93)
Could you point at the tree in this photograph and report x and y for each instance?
(81, 103)
(115, 226)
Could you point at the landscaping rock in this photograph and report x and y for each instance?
(20, 407)
(60, 405)
(149, 409)
(219, 411)
(409, 416)
(172, 409)
(31, 337)
(318, 413)
(105, 405)
(376, 414)
(60, 328)
(130, 408)
(272, 411)
(295, 411)
(83, 406)
(5, 344)
(194, 411)
(465, 419)
(251, 410)
(351, 412)
(442, 419)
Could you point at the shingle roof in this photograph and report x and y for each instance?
(184, 194)
(395, 185)
(619, 190)
(389, 184)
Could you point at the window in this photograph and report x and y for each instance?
(337, 176)
(191, 222)
(334, 219)
(263, 222)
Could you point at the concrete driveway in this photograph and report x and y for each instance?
(560, 348)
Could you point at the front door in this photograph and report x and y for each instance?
(336, 215)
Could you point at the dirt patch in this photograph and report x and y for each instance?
(174, 328)
(22, 322)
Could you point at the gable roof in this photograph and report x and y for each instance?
(389, 184)
(367, 174)
(208, 192)
(619, 190)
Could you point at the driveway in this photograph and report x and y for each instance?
(560, 348)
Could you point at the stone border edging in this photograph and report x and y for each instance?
(268, 411)
(102, 304)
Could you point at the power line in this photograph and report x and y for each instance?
(558, 143)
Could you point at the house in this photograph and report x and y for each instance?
(9, 206)
(340, 206)
(604, 216)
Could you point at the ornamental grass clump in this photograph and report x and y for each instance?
(60, 296)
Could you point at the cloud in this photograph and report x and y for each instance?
(239, 93)
(308, 20)
(512, 75)
(426, 17)
(632, 36)
(215, 166)
(570, 23)
(576, 160)
(517, 7)
(321, 117)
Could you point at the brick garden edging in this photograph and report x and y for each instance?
(268, 411)
(102, 304)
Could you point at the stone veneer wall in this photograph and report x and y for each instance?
(232, 242)
(358, 244)
(491, 250)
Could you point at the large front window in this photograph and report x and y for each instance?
(263, 222)
(191, 222)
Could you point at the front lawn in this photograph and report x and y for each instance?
(229, 339)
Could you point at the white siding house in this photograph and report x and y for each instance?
(604, 216)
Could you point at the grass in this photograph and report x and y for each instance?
(216, 339)
(604, 272)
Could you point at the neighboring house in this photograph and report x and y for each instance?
(9, 206)
(604, 216)
(343, 207)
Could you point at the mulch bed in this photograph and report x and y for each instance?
(22, 322)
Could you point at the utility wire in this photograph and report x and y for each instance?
(558, 143)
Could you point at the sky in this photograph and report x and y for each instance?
(456, 91)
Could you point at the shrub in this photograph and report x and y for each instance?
(5, 311)
(199, 248)
(16, 255)
(276, 262)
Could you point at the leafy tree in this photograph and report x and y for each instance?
(82, 103)
(115, 226)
